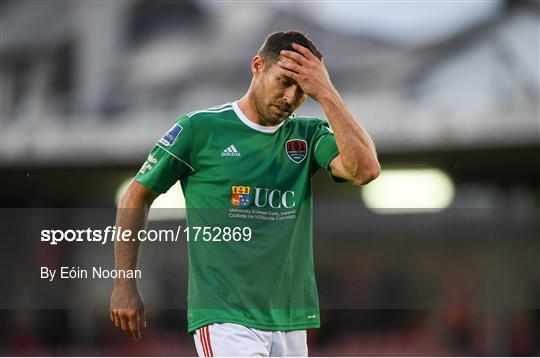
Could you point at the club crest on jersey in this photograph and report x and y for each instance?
(296, 150)
(170, 137)
(240, 195)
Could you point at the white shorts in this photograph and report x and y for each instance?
(229, 339)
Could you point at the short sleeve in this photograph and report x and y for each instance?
(169, 160)
(325, 149)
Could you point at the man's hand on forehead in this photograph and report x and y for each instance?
(302, 53)
(306, 69)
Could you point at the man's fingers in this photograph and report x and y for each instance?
(142, 317)
(289, 73)
(295, 56)
(133, 324)
(117, 321)
(124, 324)
(128, 321)
(304, 51)
(289, 65)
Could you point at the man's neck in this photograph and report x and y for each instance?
(247, 106)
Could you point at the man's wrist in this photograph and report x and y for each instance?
(328, 97)
(125, 283)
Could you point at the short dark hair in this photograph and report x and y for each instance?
(277, 41)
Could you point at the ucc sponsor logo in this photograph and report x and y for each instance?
(243, 195)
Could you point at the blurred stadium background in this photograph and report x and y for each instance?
(440, 256)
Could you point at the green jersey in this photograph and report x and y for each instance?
(248, 191)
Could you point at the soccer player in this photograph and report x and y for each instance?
(245, 168)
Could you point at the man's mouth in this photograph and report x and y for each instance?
(283, 109)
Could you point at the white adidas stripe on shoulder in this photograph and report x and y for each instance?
(215, 109)
(221, 105)
(209, 111)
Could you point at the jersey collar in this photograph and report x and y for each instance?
(253, 125)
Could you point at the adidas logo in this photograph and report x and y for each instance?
(230, 151)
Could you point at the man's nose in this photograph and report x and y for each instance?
(292, 94)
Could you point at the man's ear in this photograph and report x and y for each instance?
(257, 65)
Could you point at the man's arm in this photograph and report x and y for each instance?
(357, 161)
(127, 304)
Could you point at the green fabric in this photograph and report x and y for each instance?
(233, 175)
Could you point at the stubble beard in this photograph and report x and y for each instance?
(269, 120)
